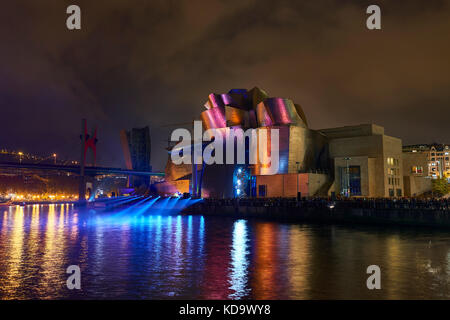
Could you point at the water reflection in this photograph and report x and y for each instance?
(239, 261)
(13, 272)
(197, 257)
(299, 263)
(265, 261)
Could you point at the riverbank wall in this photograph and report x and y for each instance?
(326, 215)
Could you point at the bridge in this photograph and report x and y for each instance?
(88, 142)
(91, 171)
(86, 172)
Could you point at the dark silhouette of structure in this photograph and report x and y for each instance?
(136, 146)
(87, 142)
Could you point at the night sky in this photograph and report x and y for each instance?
(137, 63)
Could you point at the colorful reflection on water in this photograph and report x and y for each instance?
(142, 256)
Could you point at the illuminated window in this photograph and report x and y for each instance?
(262, 190)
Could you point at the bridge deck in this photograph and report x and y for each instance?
(76, 169)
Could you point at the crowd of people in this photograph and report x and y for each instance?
(331, 203)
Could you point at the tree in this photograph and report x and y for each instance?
(440, 187)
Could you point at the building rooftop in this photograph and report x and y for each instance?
(353, 131)
(426, 147)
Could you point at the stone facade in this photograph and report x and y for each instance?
(376, 156)
(416, 174)
(285, 185)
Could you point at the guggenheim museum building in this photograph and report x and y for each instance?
(356, 161)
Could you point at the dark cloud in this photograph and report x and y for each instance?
(154, 62)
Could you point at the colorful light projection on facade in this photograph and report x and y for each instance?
(241, 182)
(250, 109)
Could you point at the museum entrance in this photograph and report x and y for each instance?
(350, 182)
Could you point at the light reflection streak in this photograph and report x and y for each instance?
(169, 234)
(49, 250)
(394, 255)
(201, 235)
(5, 221)
(178, 237)
(189, 236)
(74, 228)
(13, 275)
(54, 255)
(178, 260)
(33, 242)
(99, 256)
(299, 257)
(158, 236)
(265, 260)
(61, 220)
(239, 261)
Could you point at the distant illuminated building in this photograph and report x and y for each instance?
(438, 157)
(416, 177)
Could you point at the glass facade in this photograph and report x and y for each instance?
(350, 181)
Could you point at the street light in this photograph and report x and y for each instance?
(439, 169)
(54, 156)
(20, 157)
(298, 171)
(348, 175)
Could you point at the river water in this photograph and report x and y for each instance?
(195, 257)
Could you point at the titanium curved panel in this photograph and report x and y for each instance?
(253, 123)
(257, 95)
(214, 101)
(227, 99)
(301, 113)
(214, 118)
(283, 111)
(219, 101)
(263, 115)
(235, 116)
(240, 98)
